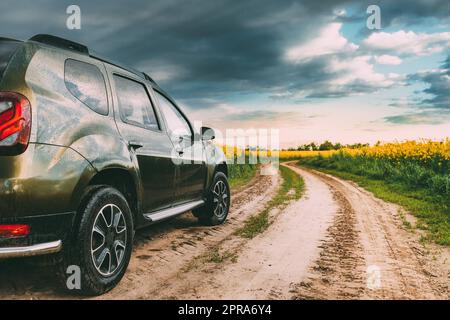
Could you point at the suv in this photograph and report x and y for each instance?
(90, 151)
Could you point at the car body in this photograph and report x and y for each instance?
(84, 122)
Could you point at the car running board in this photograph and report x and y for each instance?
(173, 211)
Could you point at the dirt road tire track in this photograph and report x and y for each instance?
(367, 234)
(158, 264)
(269, 265)
(320, 247)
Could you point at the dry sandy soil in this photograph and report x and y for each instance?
(337, 242)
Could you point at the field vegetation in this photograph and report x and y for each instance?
(414, 174)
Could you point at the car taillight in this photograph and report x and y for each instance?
(14, 230)
(15, 123)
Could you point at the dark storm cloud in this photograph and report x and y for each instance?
(222, 48)
(446, 64)
(257, 115)
(430, 117)
(400, 12)
(213, 48)
(435, 109)
(438, 86)
(412, 12)
(211, 51)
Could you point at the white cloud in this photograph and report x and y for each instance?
(388, 59)
(358, 69)
(350, 71)
(408, 42)
(329, 41)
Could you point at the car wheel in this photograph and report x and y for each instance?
(102, 244)
(217, 206)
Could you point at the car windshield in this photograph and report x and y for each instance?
(7, 49)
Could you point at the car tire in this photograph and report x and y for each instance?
(101, 244)
(217, 206)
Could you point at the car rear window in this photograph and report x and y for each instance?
(86, 83)
(7, 49)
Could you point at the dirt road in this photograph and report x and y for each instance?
(338, 241)
(368, 253)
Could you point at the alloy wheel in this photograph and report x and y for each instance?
(220, 199)
(108, 239)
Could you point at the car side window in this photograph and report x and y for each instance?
(86, 83)
(176, 123)
(135, 105)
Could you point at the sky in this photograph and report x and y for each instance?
(311, 69)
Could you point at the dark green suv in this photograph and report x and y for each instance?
(90, 151)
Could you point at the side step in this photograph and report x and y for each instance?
(170, 212)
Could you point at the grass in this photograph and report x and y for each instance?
(405, 222)
(396, 184)
(241, 174)
(216, 257)
(291, 188)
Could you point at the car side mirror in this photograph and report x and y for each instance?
(208, 133)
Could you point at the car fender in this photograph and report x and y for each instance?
(214, 158)
(105, 152)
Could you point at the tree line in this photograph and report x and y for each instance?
(327, 145)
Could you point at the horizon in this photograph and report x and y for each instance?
(342, 145)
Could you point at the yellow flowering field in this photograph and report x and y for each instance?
(283, 155)
(425, 151)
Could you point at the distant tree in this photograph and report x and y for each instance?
(327, 145)
(304, 147)
(357, 145)
(337, 146)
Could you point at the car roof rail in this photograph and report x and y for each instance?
(146, 76)
(9, 39)
(60, 43)
(80, 48)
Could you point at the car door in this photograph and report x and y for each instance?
(139, 124)
(191, 174)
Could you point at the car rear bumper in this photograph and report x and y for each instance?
(34, 250)
(47, 234)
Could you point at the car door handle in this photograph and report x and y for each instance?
(180, 151)
(135, 145)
